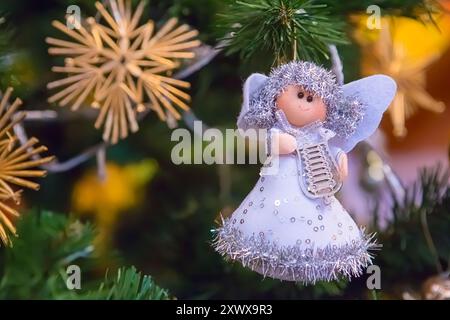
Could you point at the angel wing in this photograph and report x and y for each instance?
(253, 83)
(376, 93)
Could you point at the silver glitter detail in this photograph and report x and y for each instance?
(316, 229)
(339, 225)
(292, 219)
(262, 179)
(321, 180)
(250, 204)
(275, 212)
(261, 189)
(320, 217)
(245, 211)
(343, 113)
(308, 241)
(309, 222)
(277, 203)
(242, 221)
(322, 227)
(261, 205)
(285, 200)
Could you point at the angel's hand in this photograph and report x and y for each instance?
(283, 143)
(343, 165)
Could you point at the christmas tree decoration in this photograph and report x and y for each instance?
(397, 51)
(437, 287)
(17, 164)
(326, 197)
(123, 67)
(291, 227)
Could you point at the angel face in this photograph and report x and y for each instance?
(301, 107)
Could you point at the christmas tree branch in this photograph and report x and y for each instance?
(56, 166)
(423, 210)
(31, 271)
(302, 29)
(429, 240)
(128, 284)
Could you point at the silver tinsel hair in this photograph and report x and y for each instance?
(343, 113)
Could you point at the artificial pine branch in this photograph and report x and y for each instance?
(129, 284)
(35, 267)
(416, 243)
(288, 29)
(300, 29)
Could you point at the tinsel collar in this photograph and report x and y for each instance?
(283, 123)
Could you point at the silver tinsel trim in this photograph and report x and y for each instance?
(343, 113)
(293, 263)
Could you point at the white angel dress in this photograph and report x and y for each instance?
(283, 231)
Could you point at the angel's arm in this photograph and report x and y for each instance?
(343, 165)
(341, 160)
(279, 143)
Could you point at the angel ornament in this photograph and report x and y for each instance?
(291, 226)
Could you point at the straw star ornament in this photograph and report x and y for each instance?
(123, 68)
(17, 164)
(389, 56)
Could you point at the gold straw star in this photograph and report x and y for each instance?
(390, 57)
(123, 67)
(16, 164)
